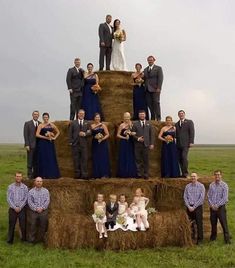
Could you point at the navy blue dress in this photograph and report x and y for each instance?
(100, 155)
(139, 101)
(126, 159)
(90, 100)
(47, 162)
(169, 157)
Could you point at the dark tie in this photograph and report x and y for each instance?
(36, 126)
(80, 124)
(149, 69)
(142, 124)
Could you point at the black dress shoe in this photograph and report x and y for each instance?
(146, 178)
(10, 242)
(138, 228)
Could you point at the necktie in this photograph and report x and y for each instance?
(80, 124)
(149, 70)
(36, 126)
(181, 123)
(142, 124)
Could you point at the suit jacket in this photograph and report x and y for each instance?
(75, 80)
(113, 211)
(153, 79)
(105, 35)
(147, 132)
(30, 134)
(185, 133)
(74, 129)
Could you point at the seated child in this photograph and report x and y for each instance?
(111, 211)
(122, 211)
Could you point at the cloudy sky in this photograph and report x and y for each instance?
(193, 40)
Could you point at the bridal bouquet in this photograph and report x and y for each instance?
(121, 220)
(96, 88)
(169, 139)
(50, 135)
(119, 36)
(98, 215)
(99, 137)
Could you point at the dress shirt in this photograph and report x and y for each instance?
(218, 194)
(17, 195)
(80, 121)
(35, 123)
(110, 28)
(77, 69)
(194, 194)
(38, 198)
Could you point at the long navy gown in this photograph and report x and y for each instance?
(139, 101)
(100, 155)
(90, 100)
(169, 158)
(47, 162)
(126, 158)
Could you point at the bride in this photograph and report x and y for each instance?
(118, 58)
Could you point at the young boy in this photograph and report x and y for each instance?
(111, 211)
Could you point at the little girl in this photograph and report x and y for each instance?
(122, 211)
(142, 214)
(99, 215)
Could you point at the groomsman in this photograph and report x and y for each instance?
(144, 141)
(194, 195)
(184, 140)
(30, 143)
(75, 83)
(217, 199)
(153, 77)
(17, 194)
(105, 42)
(38, 201)
(79, 132)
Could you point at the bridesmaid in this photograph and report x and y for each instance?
(126, 159)
(169, 157)
(100, 151)
(47, 133)
(90, 98)
(139, 100)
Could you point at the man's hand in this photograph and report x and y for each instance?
(190, 145)
(82, 134)
(151, 147)
(39, 210)
(102, 44)
(158, 90)
(140, 139)
(215, 208)
(17, 210)
(70, 91)
(191, 209)
(27, 148)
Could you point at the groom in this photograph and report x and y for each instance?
(106, 38)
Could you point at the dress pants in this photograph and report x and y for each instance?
(222, 216)
(153, 103)
(183, 160)
(32, 163)
(13, 216)
(39, 220)
(80, 160)
(75, 105)
(196, 217)
(142, 159)
(105, 52)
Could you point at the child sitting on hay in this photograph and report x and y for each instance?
(99, 215)
(122, 211)
(141, 214)
(111, 211)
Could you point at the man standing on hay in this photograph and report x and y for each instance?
(75, 83)
(218, 198)
(79, 132)
(38, 201)
(194, 195)
(184, 140)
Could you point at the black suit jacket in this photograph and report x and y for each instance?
(74, 129)
(105, 35)
(30, 134)
(75, 80)
(185, 133)
(153, 79)
(113, 211)
(147, 132)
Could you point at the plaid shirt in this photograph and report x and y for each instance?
(194, 194)
(218, 194)
(17, 195)
(38, 198)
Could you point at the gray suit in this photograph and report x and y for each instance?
(79, 147)
(31, 141)
(153, 81)
(142, 148)
(184, 136)
(106, 37)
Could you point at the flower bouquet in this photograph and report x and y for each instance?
(99, 137)
(121, 220)
(119, 36)
(96, 88)
(169, 139)
(151, 211)
(50, 135)
(98, 215)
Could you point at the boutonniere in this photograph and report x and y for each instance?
(147, 124)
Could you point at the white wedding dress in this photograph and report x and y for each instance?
(118, 59)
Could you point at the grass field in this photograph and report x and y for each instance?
(203, 159)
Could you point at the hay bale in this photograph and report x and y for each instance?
(64, 154)
(78, 231)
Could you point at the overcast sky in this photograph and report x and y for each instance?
(194, 42)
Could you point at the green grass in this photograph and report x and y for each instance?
(202, 160)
